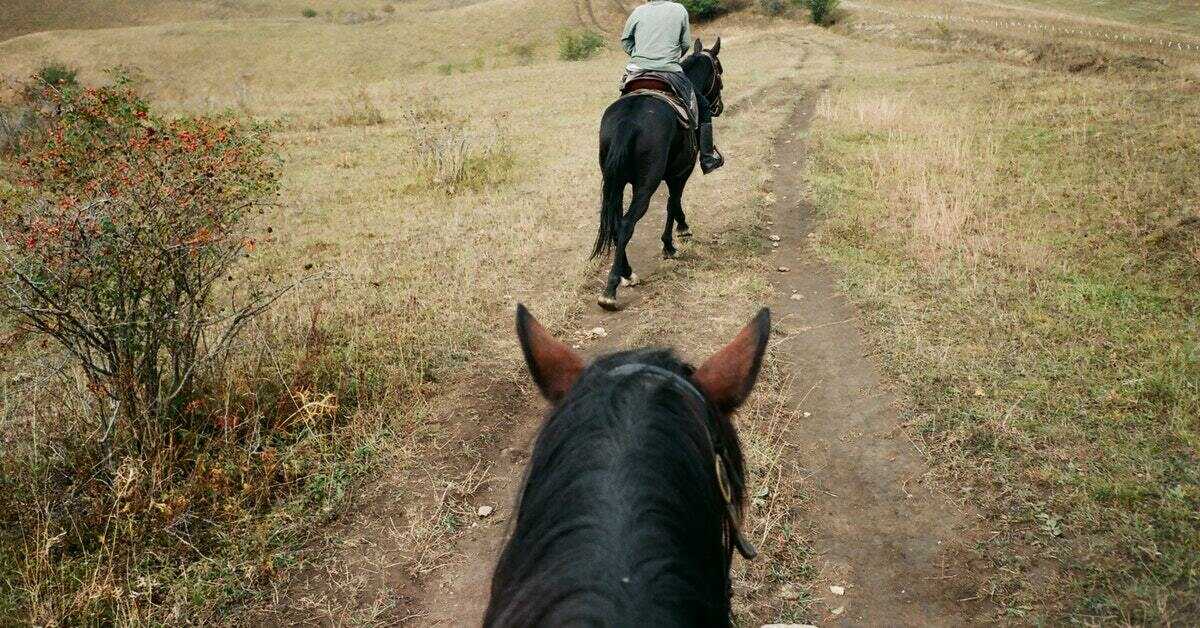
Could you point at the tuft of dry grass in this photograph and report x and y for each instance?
(358, 109)
(449, 157)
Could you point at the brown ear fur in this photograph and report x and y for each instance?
(554, 366)
(698, 48)
(716, 49)
(728, 377)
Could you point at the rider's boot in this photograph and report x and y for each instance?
(710, 157)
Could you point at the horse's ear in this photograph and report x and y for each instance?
(698, 47)
(728, 377)
(716, 49)
(554, 366)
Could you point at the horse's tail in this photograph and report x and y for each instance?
(611, 206)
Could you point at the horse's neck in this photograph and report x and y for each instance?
(698, 73)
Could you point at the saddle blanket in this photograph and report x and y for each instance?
(681, 112)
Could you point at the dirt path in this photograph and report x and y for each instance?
(881, 533)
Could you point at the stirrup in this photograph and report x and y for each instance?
(709, 163)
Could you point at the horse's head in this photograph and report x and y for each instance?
(704, 68)
(709, 394)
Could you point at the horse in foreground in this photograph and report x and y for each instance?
(642, 144)
(632, 502)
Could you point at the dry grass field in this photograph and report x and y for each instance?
(1014, 215)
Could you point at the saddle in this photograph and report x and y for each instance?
(648, 83)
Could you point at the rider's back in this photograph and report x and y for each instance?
(656, 36)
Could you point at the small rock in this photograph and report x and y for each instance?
(784, 269)
(512, 454)
(485, 511)
(807, 414)
(789, 593)
(979, 392)
(836, 590)
(797, 297)
(774, 238)
(598, 332)
(774, 245)
(839, 610)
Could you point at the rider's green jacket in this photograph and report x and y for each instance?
(657, 35)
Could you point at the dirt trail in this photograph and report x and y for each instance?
(880, 531)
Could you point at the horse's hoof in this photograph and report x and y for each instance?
(685, 234)
(670, 254)
(631, 280)
(608, 303)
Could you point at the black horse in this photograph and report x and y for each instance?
(642, 144)
(631, 505)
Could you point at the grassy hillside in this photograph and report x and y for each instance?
(237, 61)
(1181, 15)
(21, 17)
(1023, 242)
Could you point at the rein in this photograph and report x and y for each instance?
(724, 469)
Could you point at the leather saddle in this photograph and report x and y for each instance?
(650, 83)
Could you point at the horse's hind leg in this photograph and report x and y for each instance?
(668, 238)
(622, 273)
(675, 205)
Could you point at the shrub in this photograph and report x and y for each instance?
(704, 9)
(578, 45)
(119, 234)
(821, 11)
(772, 7)
(57, 74)
(309, 12)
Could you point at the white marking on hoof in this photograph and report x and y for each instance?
(607, 303)
(632, 280)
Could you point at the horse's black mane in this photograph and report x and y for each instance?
(620, 519)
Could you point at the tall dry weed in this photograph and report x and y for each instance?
(449, 156)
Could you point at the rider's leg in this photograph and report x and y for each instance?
(710, 157)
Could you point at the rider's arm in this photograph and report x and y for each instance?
(685, 41)
(627, 34)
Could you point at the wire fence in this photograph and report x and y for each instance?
(1095, 34)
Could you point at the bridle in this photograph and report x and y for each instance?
(726, 474)
(715, 84)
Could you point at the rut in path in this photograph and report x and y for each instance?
(895, 545)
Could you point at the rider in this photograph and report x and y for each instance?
(656, 36)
